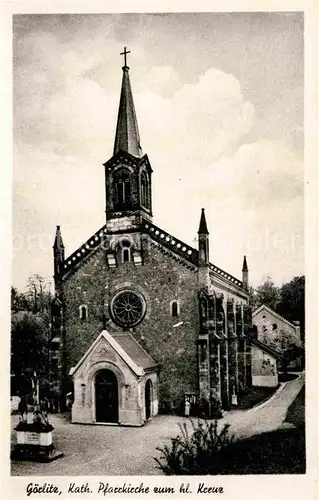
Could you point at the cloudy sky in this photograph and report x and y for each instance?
(219, 101)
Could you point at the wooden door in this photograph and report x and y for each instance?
(106, 397)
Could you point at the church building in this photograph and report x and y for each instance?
(141, 321)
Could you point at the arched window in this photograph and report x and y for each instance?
(144, 190)
(83, 312)
(122, 190)
(174, 309)
(125, 251)
(126, 255)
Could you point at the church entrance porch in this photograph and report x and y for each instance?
(115, 382)
(106, 397)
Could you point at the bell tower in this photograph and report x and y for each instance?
(128, 173)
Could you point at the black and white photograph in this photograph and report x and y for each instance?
(159, 270)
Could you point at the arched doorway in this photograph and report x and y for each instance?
(148, 398)
(106, 397)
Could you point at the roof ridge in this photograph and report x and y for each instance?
(84, 250)
(184, 250)
(264, 346)
(275, 314)
(171, 242)
(159, 235)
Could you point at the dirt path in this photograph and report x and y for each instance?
(101, 450)
(267, 417)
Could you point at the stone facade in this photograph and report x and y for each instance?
(105, 354)
(160, 280)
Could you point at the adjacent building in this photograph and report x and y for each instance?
(274, 330)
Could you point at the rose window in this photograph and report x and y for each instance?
(127, 308)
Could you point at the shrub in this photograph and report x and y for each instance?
(197, 451)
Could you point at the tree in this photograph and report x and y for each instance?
(252, 298)
(30, 331)
(19, 301)
(29, 348)
(267, 294)
(38, 294)
(292, 301)
(37, 298)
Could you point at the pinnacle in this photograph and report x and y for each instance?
(202, 225)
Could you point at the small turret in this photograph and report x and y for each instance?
(203, 241)
(58, 256)
(245, 274)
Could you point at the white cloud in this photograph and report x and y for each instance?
(162, 79)
(66, 101)
(260, 174)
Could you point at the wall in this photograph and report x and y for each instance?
(274, 332)
(131, 389)
(161, 279)
(264, 368)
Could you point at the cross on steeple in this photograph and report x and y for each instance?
(124, 54)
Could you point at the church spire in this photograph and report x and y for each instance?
(127, 136)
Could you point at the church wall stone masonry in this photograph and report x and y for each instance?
(141, 321)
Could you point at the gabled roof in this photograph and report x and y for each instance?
(161, 237)
(127, 348)
(263, 307)
(134, 350)
(265, 348)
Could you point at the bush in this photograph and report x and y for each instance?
(197, 451)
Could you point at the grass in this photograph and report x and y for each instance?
(278, 452)
(296, 411)
(254, 396)
(282, 451)
(286, 377)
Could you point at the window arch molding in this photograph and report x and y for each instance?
(174, 307)
(145, 189)
(125, 250)
(122, 188)
(118, 240)
(83, 312)
(123, 247)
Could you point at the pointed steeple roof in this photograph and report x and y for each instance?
(245, 267)
(202, 224)
(58, 242)
(127, 136)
